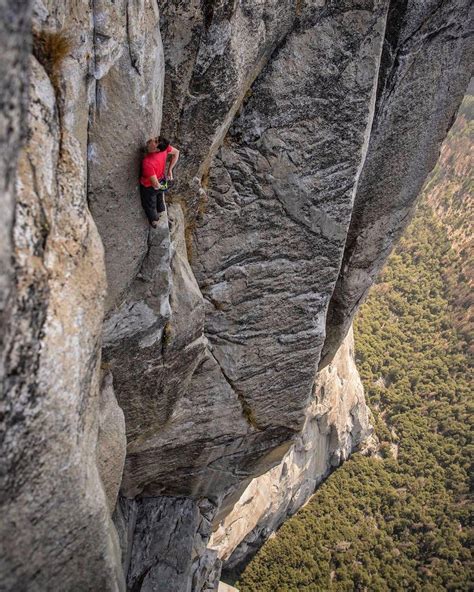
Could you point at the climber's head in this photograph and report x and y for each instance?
(152, 144)
(162, 144)
(157, 144)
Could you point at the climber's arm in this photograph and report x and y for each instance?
(154, 181)
(174, 159)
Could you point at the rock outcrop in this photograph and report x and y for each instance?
(422, 81)
(51, 490)
(337, 421)
(306, 130)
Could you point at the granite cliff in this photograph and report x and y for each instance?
(179, 364)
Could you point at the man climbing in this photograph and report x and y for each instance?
(155, 176)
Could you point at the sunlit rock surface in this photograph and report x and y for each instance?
(306, 129)
(51, 490)
(337, 421)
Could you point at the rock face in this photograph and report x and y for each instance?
(337, 421)
(125, 104)
(111, 444)
(164, 544)
(427, 53)
(214, 51)
(51, 489)
(306, 130)
(53, 500)
(15, 46)
(281, 209)
(249, 393)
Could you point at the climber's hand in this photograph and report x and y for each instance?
(170, 176)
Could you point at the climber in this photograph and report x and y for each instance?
(155, 177)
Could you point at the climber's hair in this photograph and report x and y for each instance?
(163, 144)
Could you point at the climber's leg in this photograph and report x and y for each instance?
(149, 197)
(160, 202)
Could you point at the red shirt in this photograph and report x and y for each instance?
(154, 164)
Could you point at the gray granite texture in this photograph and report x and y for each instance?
(265, 252)
(425, 69)
(163, 543)
(306, 130)
(55, 532)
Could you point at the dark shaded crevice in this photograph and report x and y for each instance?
(133, 60)
(395, 21)
(207, 7)
(40, 246)
(388, 70)
(396, 48)
(247, 411)
(92, 106)
(137, 586)
(50, 48)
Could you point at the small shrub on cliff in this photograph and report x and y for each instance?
(50, 49)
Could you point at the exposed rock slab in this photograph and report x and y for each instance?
(51, 487)
(426, 68)
(223, 587)
(337, 421)
(269, 245)
(164, 544)
(160, 324)
(213, 51)
(163, 535)
(125, 91)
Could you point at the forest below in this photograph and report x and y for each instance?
(400, 520)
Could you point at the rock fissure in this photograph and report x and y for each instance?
(247, 412)
(133, 61)
(306, 130)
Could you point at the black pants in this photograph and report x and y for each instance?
(153, 202)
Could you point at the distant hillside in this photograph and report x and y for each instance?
(450, 192)
(401, 522)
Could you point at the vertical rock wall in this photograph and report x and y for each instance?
(15, 46)
(426, 67)
(125, 97)
(55, 508)
(266, 254)
(164, 544)
(337, 421)
(51, 490)
(306, 130)
(214, 51)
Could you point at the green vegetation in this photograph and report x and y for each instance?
(450, 192)
(399, 522)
